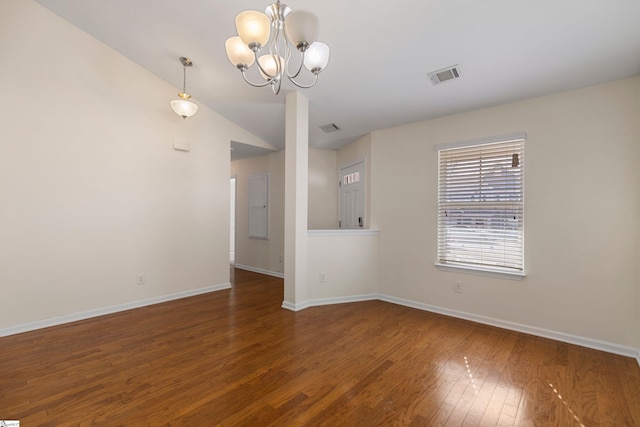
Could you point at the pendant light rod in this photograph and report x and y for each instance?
(186, 62)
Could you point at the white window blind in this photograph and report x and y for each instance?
(481, 206)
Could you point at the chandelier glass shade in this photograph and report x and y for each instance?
(183, 107)
(269, 40)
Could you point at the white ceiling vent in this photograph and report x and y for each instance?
(331, 127)
(446, 74)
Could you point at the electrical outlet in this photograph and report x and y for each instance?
(457, 287)
(141, 279)
(323, 277)
(281, 258)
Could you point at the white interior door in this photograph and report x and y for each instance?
(352, 196)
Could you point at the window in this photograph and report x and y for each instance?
(481, 204)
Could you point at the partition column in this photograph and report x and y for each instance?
(295, 200)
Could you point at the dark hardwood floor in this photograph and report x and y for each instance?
(236, 358)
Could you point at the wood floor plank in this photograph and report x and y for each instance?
(614, 411)
(630, 384)
(235, 358)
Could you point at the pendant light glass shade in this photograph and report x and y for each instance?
(238, 52)
(301, 27)
(253, 28)
(271, 64)
(184, 108)
(316, 57)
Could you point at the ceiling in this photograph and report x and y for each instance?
(381, 53)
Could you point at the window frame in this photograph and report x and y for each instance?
(469, 265)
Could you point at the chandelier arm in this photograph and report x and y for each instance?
(244, 76)
(302, 86)
(274, 49)
(275, 86)
(293, 76)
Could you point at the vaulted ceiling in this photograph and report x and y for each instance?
(381, 53)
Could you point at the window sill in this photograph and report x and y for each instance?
(482, 271)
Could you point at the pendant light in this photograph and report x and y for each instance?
(183, 107)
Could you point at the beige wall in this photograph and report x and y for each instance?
(323, 190)
(581, 216)
(323, 195)
(258, 253)
(92, 191)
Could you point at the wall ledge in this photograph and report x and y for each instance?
(344, 232)
(55, 321)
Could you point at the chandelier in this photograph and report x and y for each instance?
(183, 107)
(274, 35)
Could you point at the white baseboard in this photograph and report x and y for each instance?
(40, 324)
(328, 301)
(259, 270)
(531, 330)
(289, 306)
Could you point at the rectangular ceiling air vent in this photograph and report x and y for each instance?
(446, 74)
(331, 127)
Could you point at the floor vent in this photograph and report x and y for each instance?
(331, 127)
(444, 75)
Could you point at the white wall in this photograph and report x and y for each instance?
(323, 190)
(257, 253)
(348, 262)
(92, 191)
(581, 217)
